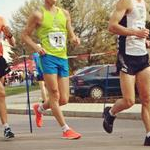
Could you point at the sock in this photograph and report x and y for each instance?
(111, 113)
(148, 134)
(65, 128)
(41, 109)
(6, 125)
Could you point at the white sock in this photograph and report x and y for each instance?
(6, 125)
(148, 134)
(111, 113)
(41, 109)
(65, 128)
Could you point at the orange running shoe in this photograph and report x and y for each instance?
(38, 116)
(71, 134)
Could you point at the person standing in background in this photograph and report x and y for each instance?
(39, 76)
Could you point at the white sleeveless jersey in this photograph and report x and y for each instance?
(136, 19)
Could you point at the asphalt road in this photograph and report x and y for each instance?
(127, 135)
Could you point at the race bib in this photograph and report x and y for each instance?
(57, 39)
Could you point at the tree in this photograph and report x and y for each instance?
(19, 19)
(90, 24)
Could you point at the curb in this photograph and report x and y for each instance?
(135, 116)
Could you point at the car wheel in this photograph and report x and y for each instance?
(96, 92)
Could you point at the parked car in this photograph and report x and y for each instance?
(95, 81)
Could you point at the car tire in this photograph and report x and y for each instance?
(96, 92)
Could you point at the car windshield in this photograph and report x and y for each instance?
(105, 71)
(99, 70)
(86, 70)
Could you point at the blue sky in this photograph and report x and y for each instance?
(7, 7)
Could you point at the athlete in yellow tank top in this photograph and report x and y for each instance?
(53, 33)
(53, 27)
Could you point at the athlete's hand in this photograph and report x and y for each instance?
(40, 50)
(75, 41)
(142, 33)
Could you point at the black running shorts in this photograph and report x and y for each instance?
(132, 64)
(4, 68)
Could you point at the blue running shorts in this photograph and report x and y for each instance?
(54, 65)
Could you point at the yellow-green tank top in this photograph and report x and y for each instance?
(53, 33)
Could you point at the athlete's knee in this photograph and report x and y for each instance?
(145, 100)
(129, 102)
(64, 101)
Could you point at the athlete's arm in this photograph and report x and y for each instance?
(8, 35)
(7, 32)
(71, 35)
(122, 8)
(32, 24)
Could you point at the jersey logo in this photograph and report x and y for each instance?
(124, 70)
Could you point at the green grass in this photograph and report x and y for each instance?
(19, 89)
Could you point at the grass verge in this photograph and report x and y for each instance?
(19, 89)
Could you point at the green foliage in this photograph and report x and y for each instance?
(91, 26)
(68, 5)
